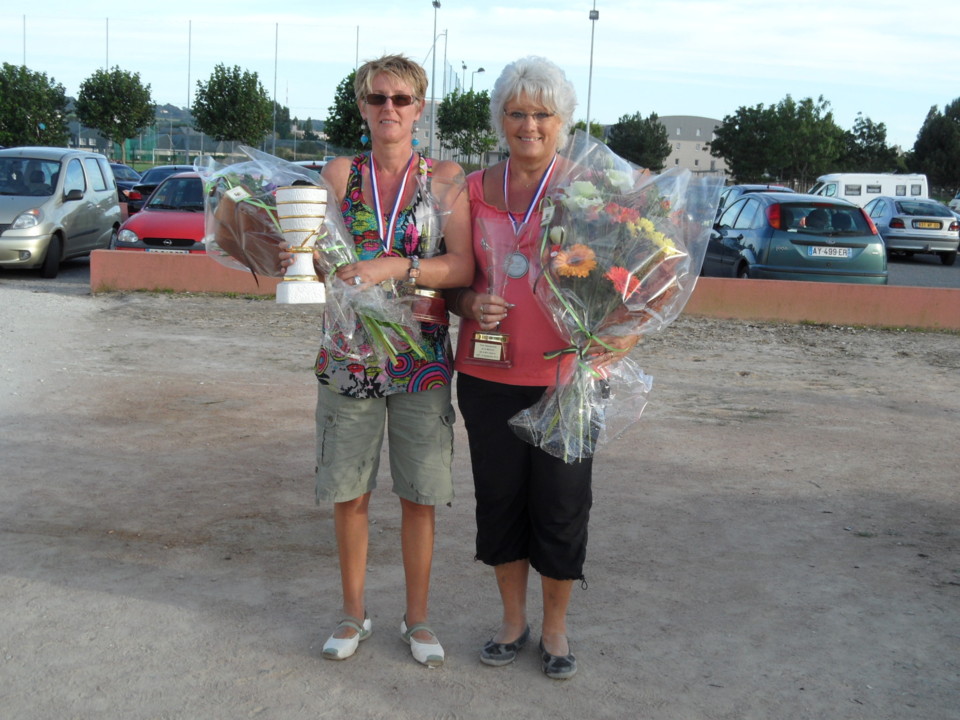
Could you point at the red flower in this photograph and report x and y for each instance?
(623, 280)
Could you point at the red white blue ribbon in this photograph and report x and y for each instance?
(386, 238)
(541, 188)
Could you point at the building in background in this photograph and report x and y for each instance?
(689, 137)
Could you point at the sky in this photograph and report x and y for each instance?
(889, 60)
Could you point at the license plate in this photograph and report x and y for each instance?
(926, 225)
(168, 252)
(828, 251)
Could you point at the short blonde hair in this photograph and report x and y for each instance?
(543, 82)
(399, 66)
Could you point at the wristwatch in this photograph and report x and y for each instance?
(414, 272)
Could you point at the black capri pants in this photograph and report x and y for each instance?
(530, 505)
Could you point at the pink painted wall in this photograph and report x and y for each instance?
(773, 300)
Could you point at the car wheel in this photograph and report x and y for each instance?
(51, 263)
(113, 240)
(743, 271)
(948, 258)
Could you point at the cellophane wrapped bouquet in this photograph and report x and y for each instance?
(243, 232)
(620, 252)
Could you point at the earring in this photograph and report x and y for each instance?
(364, 139)
(415, 141)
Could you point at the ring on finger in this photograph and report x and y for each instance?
(357, 280)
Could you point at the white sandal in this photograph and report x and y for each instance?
(425, 653)
(341, 648)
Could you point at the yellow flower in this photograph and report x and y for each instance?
(576, 261)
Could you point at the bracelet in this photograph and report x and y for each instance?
(456, 302)
(414, 271)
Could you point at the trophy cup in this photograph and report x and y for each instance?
(301, 210)
(427, 304)
(500, 249)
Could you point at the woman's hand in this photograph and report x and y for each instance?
(611, 351)
(372, 272)
(488, 310)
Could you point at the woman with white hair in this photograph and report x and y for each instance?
(532, 508)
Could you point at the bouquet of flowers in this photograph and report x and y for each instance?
(620, 252)
(244, 232)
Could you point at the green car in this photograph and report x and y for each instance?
(791, 236)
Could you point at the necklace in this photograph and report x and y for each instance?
(541, 188)
(386, 236)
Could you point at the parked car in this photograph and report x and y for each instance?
(916, 225)
(171, 221)
(126, 178)
(794, 236)
(955, 203)
(55, 204)
(311, 164)
(735, 192)
(140, 192)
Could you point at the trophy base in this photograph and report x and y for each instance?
(490, 349)
(429, 307)
(301, 292)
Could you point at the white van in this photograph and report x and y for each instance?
(861, 188)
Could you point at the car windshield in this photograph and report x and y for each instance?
(31, 177)
(823, 219)
(927, 209)
(178, 193)
(122, 172)
(155, 175)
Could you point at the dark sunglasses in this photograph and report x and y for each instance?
(398, 100)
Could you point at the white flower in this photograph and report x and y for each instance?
(622, 181)
(557, 234)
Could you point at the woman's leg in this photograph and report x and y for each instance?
(556, 599)
(512, 583)
(416, 539)
(351, 522)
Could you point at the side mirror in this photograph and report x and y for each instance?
(74, 194)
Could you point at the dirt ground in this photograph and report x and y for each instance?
(777, 538)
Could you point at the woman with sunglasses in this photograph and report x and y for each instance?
(532, 508)
(380, 192)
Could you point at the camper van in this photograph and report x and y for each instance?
(861, 188)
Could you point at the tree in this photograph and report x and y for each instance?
(643, 142)
(117, 104)
(789, 141)
(463, 123)
(283, 124)
(344, 124)
(865, 148)
(936, 151)
(596, 129)
(33, 109)
(233, 106)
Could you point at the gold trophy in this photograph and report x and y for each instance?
(502, 261)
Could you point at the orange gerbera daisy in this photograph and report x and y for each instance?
(576, 261)
(625, 282)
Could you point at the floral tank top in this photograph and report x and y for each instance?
(366, 378)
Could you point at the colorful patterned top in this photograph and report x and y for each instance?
(366, 378)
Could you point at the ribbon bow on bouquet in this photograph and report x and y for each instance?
(244, 232)
(620, 252)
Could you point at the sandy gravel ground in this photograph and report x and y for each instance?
(777, 539)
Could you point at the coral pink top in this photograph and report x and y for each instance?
(531, 330)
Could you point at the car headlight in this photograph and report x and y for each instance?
(28, 219)
(127, 236)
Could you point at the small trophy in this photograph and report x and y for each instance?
(500, 250)
(301, 210)
(428, 305)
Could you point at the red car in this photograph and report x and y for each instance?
(171, 221)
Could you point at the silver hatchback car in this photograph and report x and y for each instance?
(55, 204)
(916, 225)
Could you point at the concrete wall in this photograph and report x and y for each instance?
(767, 300)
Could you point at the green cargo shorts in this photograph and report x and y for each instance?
(420, 443)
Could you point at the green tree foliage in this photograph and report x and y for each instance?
(865, 148)
(233, 106)
(117, 104)
(596, 129)
(789, 141)
(936, 151)
(283, 122)
(643, 142)
(33, 108)
(463, 123)
(344, 124)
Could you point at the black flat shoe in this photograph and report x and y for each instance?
(498, 654)
(557, 667)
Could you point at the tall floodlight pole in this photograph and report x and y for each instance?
(276, 49)
(433, 82)
(594, 16)
(471, 77)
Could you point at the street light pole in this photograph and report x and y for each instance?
(594, 16)
(433, 82)
(478, 70)
(463, 80)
